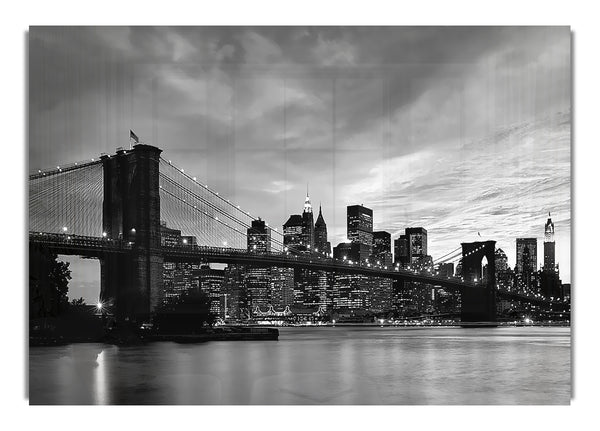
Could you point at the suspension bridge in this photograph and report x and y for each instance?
(110, 208)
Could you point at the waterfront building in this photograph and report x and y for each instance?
(282, 287)
(210, 282)
(180, 277)
(235, 293)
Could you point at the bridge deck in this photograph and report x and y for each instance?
(98, 246)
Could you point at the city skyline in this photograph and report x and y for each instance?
(458, 130)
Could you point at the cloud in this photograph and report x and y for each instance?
(502, 186)
(279, 186)
(453, 128)
(331, 52)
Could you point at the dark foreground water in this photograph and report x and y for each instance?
(316, 366)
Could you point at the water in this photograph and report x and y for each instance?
(360, 365)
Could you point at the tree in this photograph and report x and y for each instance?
(79, 301)
(48, 283)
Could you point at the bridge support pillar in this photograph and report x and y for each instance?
(131, 213)
(478, 304)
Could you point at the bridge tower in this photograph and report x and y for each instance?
(478, 304)
(131, 212)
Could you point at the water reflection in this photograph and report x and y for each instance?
(316, 366)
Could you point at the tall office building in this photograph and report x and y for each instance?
(211, 282)
(234, 290)
(257, 280)
(259, 237)
(416, 238)
(178, 277)
(401, 251)
(504, 275)
(382, 248)
(381, 288)
(501, 261)
(322, 246)
(282, 287)
(359, 220)
(308, 225)
(549, 246)
(526, 255)
(299, 237)
(292, 233)
(321, 243)
(550, 283)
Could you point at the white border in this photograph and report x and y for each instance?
(583, 19)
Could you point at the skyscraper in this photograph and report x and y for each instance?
(258, 279)
(380, 289)
(501, 261)
(178, 277)
(321, 243)
(259, 237)
(529, 264)
(382, 247)
(292, 233)
(549, 246)
(360, 224)
(401, 251)
(417, 243)
(299, 237)
(550, 283)
(322, 246)
(308, 225)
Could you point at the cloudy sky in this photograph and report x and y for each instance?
(456, 129)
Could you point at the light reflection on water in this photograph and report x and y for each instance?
(340, 365)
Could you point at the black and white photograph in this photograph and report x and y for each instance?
(299, 215)
(300, 221)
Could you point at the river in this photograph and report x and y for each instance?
(341, 365)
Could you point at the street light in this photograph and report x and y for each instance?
(64, 229)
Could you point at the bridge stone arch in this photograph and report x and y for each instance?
(478, 303)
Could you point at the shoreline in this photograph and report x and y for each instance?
(246, 333)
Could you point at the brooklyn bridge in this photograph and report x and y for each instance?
(110, 208)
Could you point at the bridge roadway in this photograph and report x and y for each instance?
(87, 246)
(97, 247)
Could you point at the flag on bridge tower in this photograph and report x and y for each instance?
(134, 137)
